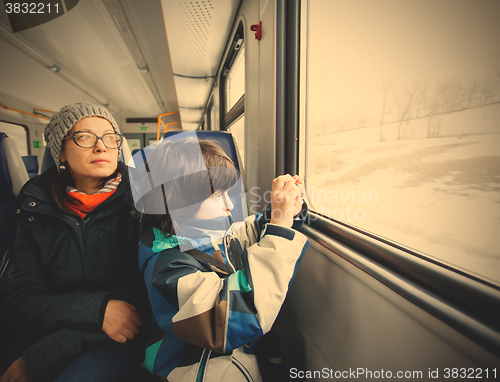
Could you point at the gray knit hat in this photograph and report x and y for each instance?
(62, 122)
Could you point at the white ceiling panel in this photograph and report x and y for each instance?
(193, 92)
(86, 43)
(24, 78)
(197, 33)
(182, 42)
(191, 115)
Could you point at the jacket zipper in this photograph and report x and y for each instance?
(86, 266)
(243, 370)
(203, 364)
(226, 249)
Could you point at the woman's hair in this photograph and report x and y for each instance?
(183, 180)
(62, 180)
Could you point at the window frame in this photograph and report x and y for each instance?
(26, 129)
(229, 117)
(288, 89)
(210, 110)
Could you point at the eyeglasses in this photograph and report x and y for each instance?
(87, 139)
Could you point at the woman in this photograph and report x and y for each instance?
(75, 293)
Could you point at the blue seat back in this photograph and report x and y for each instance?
(5, 181)
(31, 163)
(224, 139)
(47, 160)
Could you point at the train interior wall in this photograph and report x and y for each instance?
(338, 317)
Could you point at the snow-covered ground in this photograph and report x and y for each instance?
(440, 196)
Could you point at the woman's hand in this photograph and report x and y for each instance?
(285, 200)
(121, 321)
(17, 372)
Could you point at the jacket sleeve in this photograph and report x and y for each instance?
(30, 302)
(133, 290)
(251, 231)
(50, 354)
(223, 312)
(45, 358)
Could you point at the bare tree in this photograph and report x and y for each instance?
(408, 103)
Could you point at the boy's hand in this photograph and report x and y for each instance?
(285, 200)
(301, 189)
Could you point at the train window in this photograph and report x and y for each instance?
(232, 94)
(18, 134)
(134, 143)
(235, 82)
(402, 110)
(210, 115)
(237, 129)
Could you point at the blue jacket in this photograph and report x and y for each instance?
(211, 318)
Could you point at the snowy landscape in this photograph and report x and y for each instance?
(440, 196)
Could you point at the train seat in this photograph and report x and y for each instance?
(47, 160)
(226, 141)
(224, 138)
(31, 164)
(126, 154)
(13, 175)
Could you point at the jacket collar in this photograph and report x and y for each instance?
(203, 234)
(39, 187)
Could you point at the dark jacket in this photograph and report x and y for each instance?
(65, 271)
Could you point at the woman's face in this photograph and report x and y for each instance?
(90, 164)
(216, 206)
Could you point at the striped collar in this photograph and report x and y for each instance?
(109, 186)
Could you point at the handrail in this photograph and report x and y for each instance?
(165, 124)
(25, 112)
(46, 111)
(38, 112)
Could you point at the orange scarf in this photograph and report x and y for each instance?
(89, 202)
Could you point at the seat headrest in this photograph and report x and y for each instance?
(47, 160)
(224, 139)
(13, 173)
(5, 182)
(31, 164)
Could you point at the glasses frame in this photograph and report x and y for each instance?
(97, 139)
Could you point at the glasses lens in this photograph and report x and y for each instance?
(112, 140)
(89, 140)
(85, 140)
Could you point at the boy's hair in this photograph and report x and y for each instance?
(184, 179)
